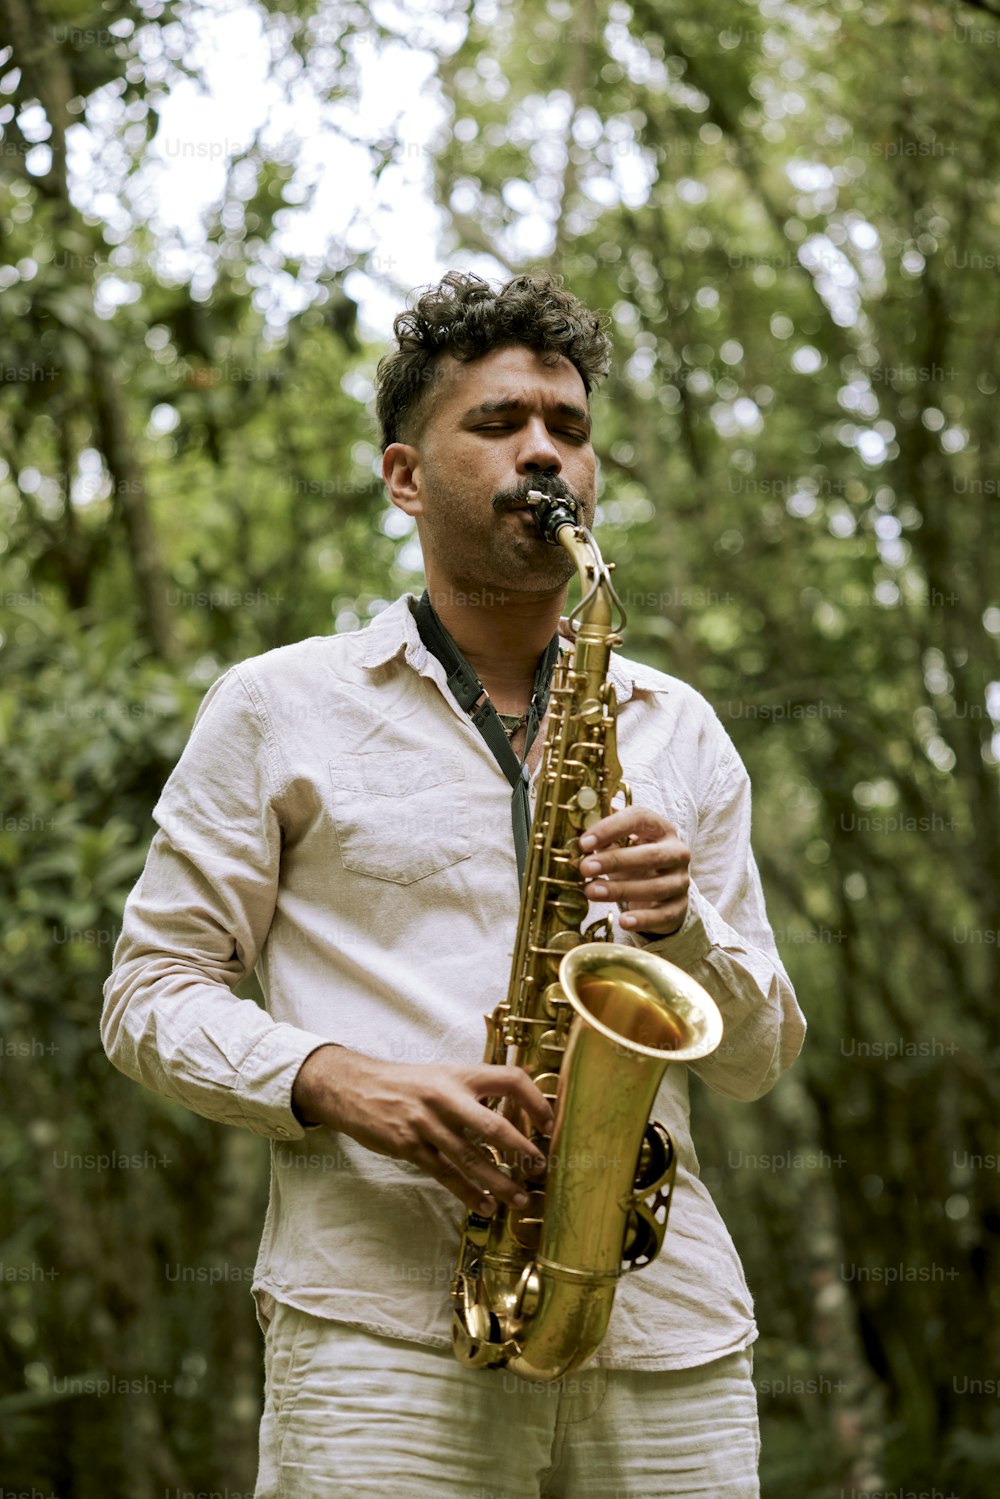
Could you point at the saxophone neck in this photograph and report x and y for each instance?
(600, 616)
(598, 619)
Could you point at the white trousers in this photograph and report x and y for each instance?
(349, 1414)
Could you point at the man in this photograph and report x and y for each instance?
(338, 821)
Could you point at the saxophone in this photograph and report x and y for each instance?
(594, 1023)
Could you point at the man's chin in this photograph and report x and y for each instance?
(538, 574)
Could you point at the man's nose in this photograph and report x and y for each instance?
(538, 452)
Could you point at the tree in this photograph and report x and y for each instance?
(791, 215)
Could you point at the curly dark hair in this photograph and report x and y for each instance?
(463, 316)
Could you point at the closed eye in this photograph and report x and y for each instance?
(568, 434)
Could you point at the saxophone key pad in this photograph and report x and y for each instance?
(583, 808)
(525, 1224)
(554, 1001)
(571, 906)
(559, 944)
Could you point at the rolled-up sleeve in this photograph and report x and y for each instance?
(726, 943)
(194, 925)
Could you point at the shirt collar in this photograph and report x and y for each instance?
(394, 632)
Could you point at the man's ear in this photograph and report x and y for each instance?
(402, 474)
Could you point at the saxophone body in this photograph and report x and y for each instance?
(594, 1023)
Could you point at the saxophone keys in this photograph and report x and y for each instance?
(496, 1043)
(583, 808)
(571, 906)
(525, 1224)
(551, 1047)
(656, 1159)
(553, 1001)
(547, 1083)
(558, 945)
(582, 757)
(529, 1293)
(645, 1230)
(601, 930)
(476, 1331)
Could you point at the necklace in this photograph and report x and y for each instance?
(511, 722)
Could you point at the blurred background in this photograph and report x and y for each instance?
(209, 214)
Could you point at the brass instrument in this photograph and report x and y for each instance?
(594, 1023)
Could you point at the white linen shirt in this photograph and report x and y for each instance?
(338, 823)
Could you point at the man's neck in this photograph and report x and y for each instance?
(500, 633)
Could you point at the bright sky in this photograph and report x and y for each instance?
(202, 129)
(253, 86)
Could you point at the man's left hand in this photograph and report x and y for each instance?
(648, 874)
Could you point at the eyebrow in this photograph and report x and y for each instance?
(514, 404)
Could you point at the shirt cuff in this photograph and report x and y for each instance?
(264, 1085)
(701, 930)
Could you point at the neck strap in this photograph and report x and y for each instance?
(472, 697)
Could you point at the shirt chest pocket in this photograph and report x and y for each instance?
(400, 817)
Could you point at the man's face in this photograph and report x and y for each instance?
(498, 427)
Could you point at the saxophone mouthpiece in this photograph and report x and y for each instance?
(552, 513)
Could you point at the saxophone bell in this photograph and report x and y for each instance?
(640, 1001)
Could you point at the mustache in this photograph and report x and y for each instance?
(547, 484)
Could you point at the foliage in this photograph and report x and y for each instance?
(791, 213)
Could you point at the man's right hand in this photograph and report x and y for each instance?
(430, 1115)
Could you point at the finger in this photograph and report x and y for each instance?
(469, 1192)
(640, 822)
(490, 1081)
(643, 892)
(515, 1147)
(664, 920)
(661, 857)
(459, 1126)
(478, 1169)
